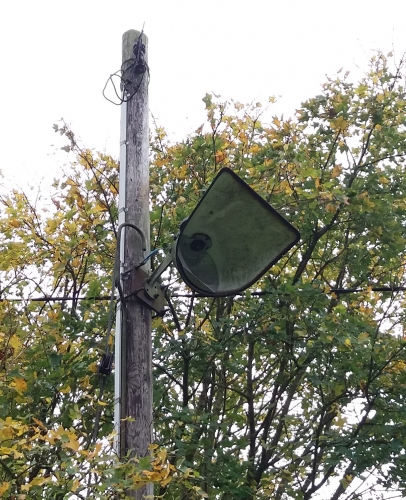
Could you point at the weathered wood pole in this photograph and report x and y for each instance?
(136, 373)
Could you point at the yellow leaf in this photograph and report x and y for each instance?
(339, 422)
(182, 173)
(162, 455)
(336, 171)
(52, 225)
(4, 450)
(72, 444)
(187, 472)
(39, 481)
(71, 227)
(219, 156)
(96, 451)
(14, 223)
(339, 123)
(54, 315)
(4, 487)
(65, 389)
(20, 385)
(76, 262)
(39, 423)
(14, 342)
(254, 148)
(93, 367)
(166, 481)
(75, 485)
(99, 207)
(347, 342)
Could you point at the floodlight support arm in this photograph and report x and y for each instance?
(152, 286)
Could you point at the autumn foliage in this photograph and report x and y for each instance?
(291, 390)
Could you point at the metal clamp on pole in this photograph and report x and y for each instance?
(148, 288)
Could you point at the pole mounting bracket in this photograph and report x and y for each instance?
(137, 286)
(148, 288)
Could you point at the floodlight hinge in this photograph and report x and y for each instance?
(139, 277)
(148, 288)
(152, 285)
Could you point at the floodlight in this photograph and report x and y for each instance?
(229, 241)
(231, 238)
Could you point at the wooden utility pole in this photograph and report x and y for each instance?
(135, 433)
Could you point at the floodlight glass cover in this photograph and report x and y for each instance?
(231, 239)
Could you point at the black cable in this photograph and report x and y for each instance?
(55, 299)
(106, 362)
(137, 66)
(110, 79)
(331, 290)
(102, 385)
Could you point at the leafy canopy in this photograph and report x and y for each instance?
(292, 390)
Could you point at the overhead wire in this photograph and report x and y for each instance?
(261, 293)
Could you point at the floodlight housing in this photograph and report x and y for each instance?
(231, 239)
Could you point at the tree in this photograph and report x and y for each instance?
(56, 411)
(292, 390)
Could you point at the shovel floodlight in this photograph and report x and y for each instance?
(229, 241)
(231, 238)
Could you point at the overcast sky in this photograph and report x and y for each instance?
(57, 55)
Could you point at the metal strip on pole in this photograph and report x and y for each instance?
(118, 331)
